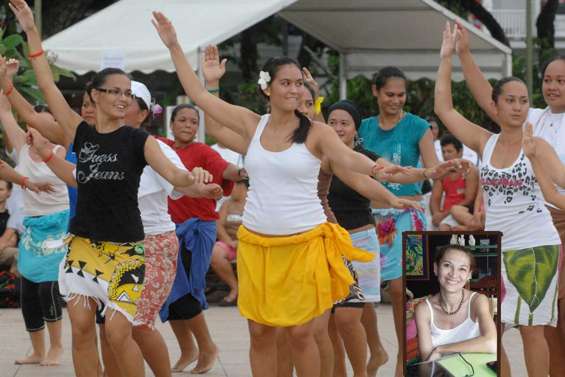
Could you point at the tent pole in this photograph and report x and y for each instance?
(508, 65)
(529, 47)
(201, 134)
(342, 76)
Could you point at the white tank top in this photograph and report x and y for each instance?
(550, 127)
(514, 204)
(468, 329)
(282, 197)
(44, 203)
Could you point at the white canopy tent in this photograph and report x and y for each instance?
(368, 34)
(122, 34)
(372, 34)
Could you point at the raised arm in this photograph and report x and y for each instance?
(476, 82)
(328, 145)
(547, 167)
(9, 174)
(238, 119)
(166, 169)
(63, 169)
(53, 96)
(371, 189)
(469, 133)
(213, 71)
(16, 135)
(313, 84)
(427, 150)
(44, 123)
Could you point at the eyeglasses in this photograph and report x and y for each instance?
(116, 92)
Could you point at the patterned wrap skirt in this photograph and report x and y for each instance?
(530, 286)
(161, 251)
(290, 280)
(110, 273)
(42, 246)
(390, 225)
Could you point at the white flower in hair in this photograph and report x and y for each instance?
(264, 79)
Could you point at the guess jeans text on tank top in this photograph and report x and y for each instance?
(98, 165)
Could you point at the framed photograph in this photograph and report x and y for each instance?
(437, 264)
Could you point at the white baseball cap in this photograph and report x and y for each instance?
(140, 91)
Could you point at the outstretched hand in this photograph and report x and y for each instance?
(309, 80)
(385, 172)
(212, 68)
(458, 165)
(38, 142)
(462, 39)
(201, 176)
(23, 13)
(165, 29)
(212, 191)
(39, 187)
(529, 141)
(448, 42)
(12, 67)
(400, 203)
(8, 68)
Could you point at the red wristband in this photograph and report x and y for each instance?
(35, 54)
(24, 182)
(49, 157)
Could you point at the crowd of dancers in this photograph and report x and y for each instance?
(123, 224)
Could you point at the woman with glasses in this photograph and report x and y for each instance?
(105, 261)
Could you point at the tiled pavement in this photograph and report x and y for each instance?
(228, 329)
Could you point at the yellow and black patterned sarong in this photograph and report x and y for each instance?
(288, 281)
(108, 272)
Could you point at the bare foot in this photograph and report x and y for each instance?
(375, 362)
(31, 359)
(184, 361)
(53, 356)
(206, 361)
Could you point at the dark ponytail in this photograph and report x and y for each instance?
(301, 133)
(272, 66)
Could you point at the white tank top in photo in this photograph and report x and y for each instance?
(550, 127)
(468, 329)
(282, 197)
(43, 203)
(514, 204)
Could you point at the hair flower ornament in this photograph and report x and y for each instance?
(264, 79)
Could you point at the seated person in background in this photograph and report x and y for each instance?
(455, 188)
(470, 221)
(224, 251)
(455, 319)
(9, 237)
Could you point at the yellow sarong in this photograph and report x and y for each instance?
(287, 281)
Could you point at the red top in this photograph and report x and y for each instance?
(454, 191)
(198, 155)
